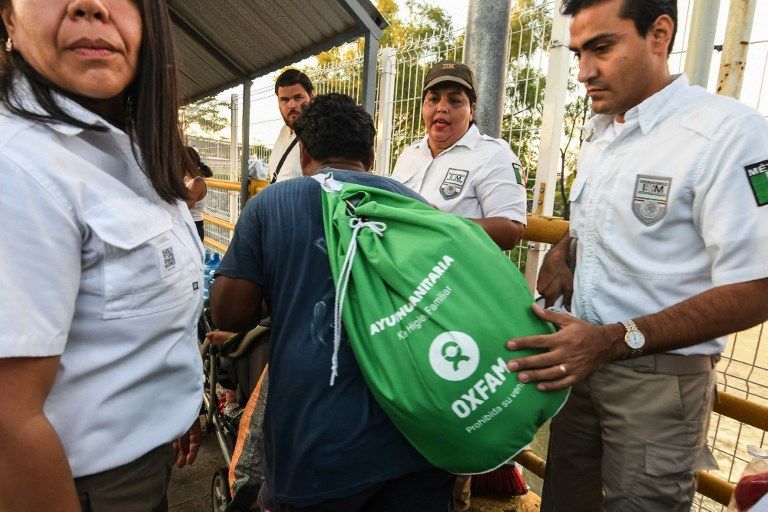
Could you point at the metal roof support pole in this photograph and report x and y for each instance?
(552, 121)
(246, 144)
(701, 41)
(386, 114)
(486, 51)
(369, 72)
(735, 47)
(234, 125)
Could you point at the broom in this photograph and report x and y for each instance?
(506, 480)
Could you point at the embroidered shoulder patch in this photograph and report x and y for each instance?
(520, 175)
(757, 174)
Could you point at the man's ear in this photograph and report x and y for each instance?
(304, 159)
(660, 34)
(7, 15)
(369, 163)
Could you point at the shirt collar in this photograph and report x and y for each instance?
(649, 112)
(468, 140)
(25, 98)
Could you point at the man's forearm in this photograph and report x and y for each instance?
(562, 250)
(506, 233)
(34, 472)
(717, 312)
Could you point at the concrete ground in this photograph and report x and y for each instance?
(190, 489)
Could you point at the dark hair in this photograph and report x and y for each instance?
(200, 167)
(292, 77)
(643, 12)
(335, 126)
(151, 101)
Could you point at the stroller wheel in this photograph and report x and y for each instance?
(220, 497)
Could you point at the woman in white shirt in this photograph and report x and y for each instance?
(98, 360)
(198, 190)
(458, 169)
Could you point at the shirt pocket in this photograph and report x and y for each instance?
(144, 263)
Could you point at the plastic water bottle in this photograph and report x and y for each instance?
(211, 265)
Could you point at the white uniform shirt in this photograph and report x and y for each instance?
(292, 166)
(666, 208)
(478, 177)
(99, 270)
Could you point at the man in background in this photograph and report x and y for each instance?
(294, 90)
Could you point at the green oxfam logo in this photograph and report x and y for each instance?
(454, 355)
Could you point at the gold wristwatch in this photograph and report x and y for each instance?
(633, 338)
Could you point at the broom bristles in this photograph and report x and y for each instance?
(505, 480)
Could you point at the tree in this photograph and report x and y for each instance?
(576, 113)
(205, 114)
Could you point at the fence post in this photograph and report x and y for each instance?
(386, 112)
(701, 41)
(551, 134)
(234, 109)
(735, 47)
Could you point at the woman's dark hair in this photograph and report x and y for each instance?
(200, 168)
(292, 77)
(151, 101)
(642, 12)
(335, 126)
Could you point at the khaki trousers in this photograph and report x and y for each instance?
(139, 486)
(629, 441)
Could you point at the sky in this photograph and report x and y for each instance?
(266, 121)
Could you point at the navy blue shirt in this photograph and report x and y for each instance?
(321, 442)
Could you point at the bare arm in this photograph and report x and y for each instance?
(506, 233)
(555, 277)
(235, 304)
(585, 348)
(197, 191)
(34, 472)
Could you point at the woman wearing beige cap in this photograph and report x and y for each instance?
(455, 167)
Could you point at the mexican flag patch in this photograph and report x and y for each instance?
(757, 174)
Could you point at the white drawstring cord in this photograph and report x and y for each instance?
(341, 287)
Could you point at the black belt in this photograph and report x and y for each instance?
(671, 364)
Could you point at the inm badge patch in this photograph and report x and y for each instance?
(757, 174)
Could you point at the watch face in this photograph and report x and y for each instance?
(634, 339)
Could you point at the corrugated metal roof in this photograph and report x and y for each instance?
(220, 44)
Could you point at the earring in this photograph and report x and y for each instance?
(9, 45)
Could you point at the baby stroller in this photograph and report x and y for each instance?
(235, 366)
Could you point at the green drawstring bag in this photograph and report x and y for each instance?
(428, 302)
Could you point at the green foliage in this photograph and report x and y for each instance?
(530, 25)
(206, 114)
(577, 111)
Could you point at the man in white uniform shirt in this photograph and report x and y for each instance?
(455, 167)
(294, 90)
(669, 214)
